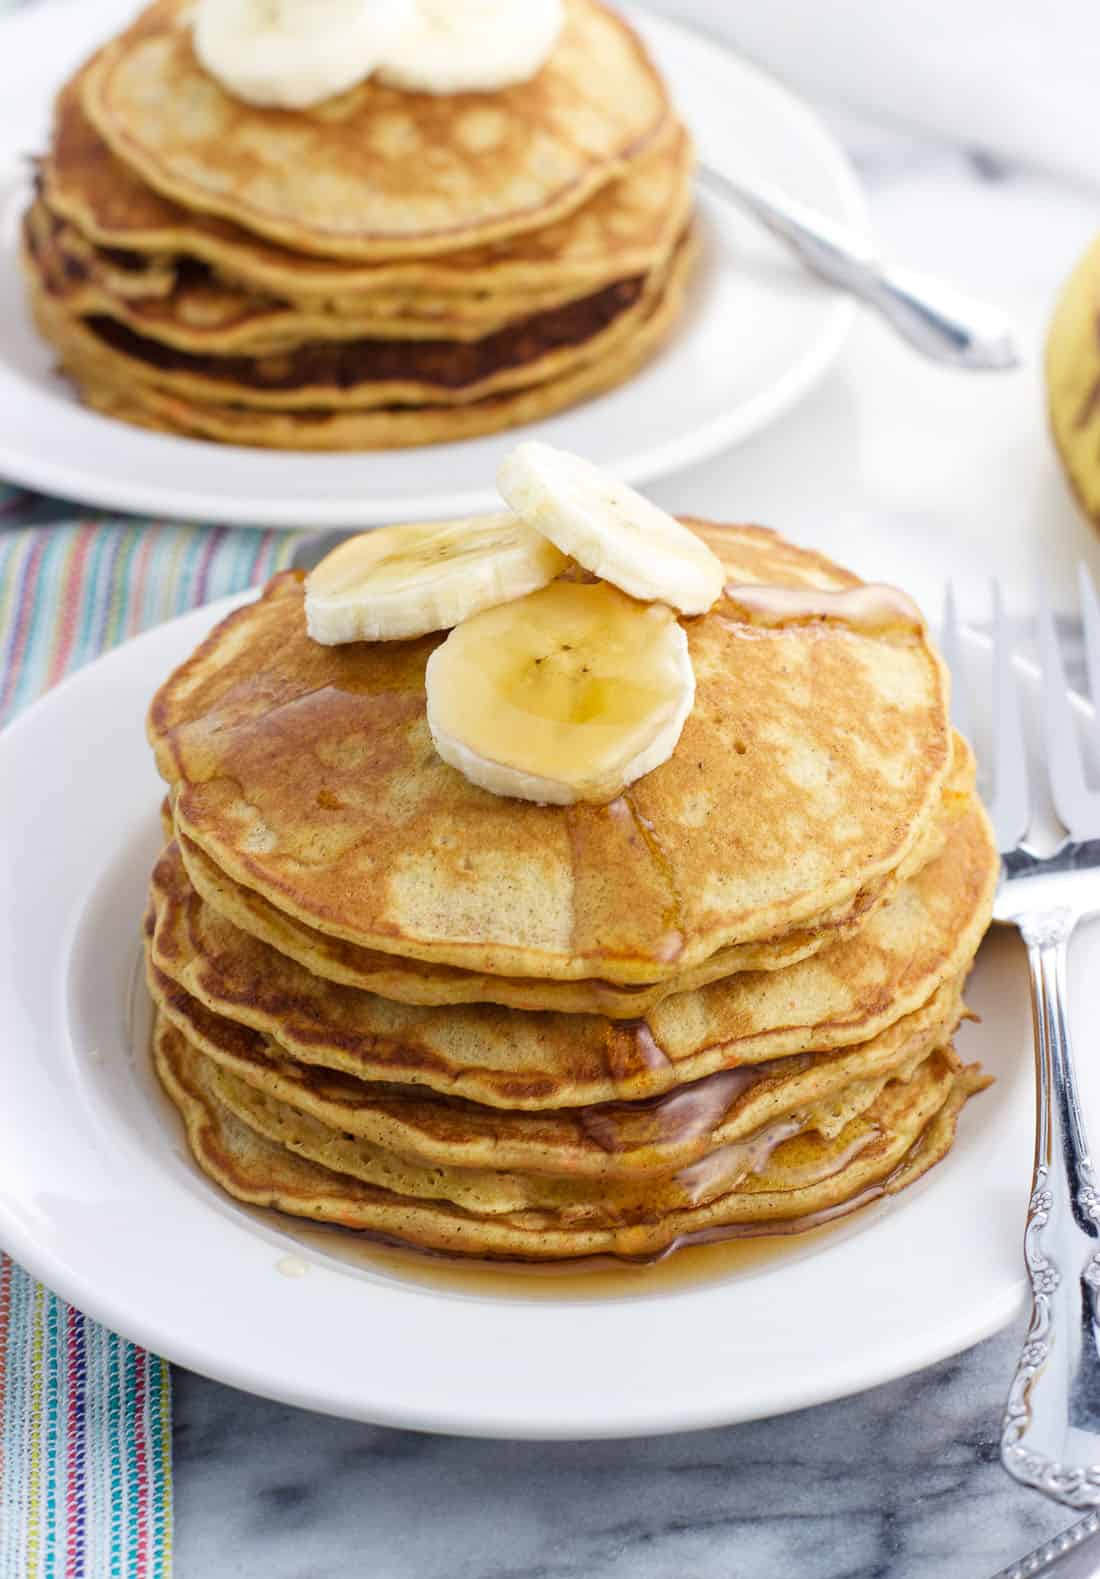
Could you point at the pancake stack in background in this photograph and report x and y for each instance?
(387, 268)
(721, 1004)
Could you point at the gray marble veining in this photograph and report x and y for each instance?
(899, 1483)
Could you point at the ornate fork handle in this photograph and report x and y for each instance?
(1052, 1418)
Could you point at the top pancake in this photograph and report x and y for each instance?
(377, 172)
(812, 761)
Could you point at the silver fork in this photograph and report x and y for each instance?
(1050, 1434)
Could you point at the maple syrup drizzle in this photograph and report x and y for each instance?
(871, 608)
(671, 945)
(688, 1113)
(646, 1045)
(723, 1170)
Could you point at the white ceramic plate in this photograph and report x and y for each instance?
(759, 333)
(99, 1199)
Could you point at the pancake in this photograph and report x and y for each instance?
(102, 276)
(623, 230)
(1073, 380)
(417, 981)
(604, 1141)
(391, 428)
(395, 427)
(812, 762)
(342, 374)
(350, 178)
(925, 934)
(906, 1129)
(184, 305)
(490, 1192)
(383, 270)
(599, 1201)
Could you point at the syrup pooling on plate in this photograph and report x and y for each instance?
(596, 1278)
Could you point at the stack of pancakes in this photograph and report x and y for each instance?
(722, 1004)
(388, 268)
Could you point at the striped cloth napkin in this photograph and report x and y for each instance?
(85, 1417)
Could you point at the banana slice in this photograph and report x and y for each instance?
(403, 581)
(569, 694)
(473, 46)
(293, 53)
(609, 528)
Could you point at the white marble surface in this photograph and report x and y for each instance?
(908, 473)
(901, 1483)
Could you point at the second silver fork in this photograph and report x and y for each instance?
(1050, 1435)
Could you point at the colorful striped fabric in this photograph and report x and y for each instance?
(69, 591)
(86, 1444)
(85, 1417)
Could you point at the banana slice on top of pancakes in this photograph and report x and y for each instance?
(549, 688)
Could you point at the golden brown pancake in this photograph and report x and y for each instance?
(417, 981)
(925, 935)
(818, 818)
(182, 304)
(814, 758)
(349, 373)
(906, 1129)
(150, 406)
(575, 1202)
(623, 230)
(604, 1141)
(351, 177)
(384, 269)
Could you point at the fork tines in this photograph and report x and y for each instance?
(1008, 793)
